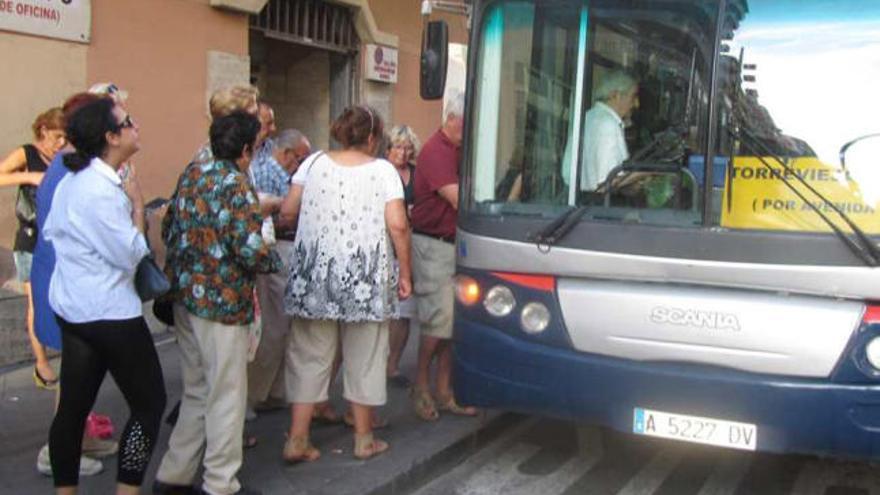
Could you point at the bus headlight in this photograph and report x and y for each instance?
(535, 317)
(499, 301)
(467, 290)
(872, 351)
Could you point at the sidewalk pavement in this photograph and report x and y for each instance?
(14, 345)
(419, 450)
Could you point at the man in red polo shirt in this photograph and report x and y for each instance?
(434, 215)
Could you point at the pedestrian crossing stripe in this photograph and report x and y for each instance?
(619, 464)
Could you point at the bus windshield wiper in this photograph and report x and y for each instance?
(559, 227)
(862, 246)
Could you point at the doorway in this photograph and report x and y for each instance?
(303, 55)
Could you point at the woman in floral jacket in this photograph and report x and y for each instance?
(215, 248)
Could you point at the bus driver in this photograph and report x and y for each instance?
(604, 144)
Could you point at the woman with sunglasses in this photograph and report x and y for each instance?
(96, 225)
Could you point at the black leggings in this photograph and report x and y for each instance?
(89, 350)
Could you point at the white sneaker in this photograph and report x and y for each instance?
(87, 465)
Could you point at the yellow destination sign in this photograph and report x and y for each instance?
(759, 198)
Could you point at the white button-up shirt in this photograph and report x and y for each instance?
(97, 247)
(604, 145)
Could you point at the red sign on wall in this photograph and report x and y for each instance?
(381, 63)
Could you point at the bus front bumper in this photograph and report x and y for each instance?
(497, 370)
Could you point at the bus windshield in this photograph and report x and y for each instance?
(610, 104)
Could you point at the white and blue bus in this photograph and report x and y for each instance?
(721, 284)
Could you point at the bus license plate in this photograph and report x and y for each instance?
(695, 429)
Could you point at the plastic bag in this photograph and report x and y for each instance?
(255, 330)
(99, 426)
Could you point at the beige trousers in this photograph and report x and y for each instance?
(266, 371)
(211, 422)
(310, 352)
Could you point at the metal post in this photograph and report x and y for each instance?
(709, 155)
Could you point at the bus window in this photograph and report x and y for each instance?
(526, 86)
(590, 103)
(646, 85)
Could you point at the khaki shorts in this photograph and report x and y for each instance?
(311, 348)
(433, 271)
(23, 262)
(408, 308)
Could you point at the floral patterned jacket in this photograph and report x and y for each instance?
(215, 248)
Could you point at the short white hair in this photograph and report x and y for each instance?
(614, 82)
(288, 139)
(454, 106)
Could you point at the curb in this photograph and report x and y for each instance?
(440, 462)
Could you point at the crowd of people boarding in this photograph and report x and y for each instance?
(338, 251)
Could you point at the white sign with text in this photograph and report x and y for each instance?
(62, 19)
(380, 62)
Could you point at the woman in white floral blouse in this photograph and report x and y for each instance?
(344, 285)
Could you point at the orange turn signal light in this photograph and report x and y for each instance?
(872, 314)
(467, 290)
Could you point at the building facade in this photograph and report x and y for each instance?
(308, 57)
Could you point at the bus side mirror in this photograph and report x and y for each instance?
(861, 152)
(435, 41)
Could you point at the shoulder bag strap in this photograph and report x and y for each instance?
(311, 164)
(317, 155)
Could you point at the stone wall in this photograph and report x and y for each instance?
(14, 346)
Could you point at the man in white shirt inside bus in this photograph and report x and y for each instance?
(604, 146)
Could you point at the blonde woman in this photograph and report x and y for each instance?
(403, 145)
(222, 103)
(24, 167)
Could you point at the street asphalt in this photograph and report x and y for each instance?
(544, 457)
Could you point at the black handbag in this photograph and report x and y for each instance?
(26, 205)
(163, 309)
(149, 281)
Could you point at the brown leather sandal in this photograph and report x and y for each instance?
(44, 383)
(453, 407)
(423, 404)
(299, 449)
(366, 447)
